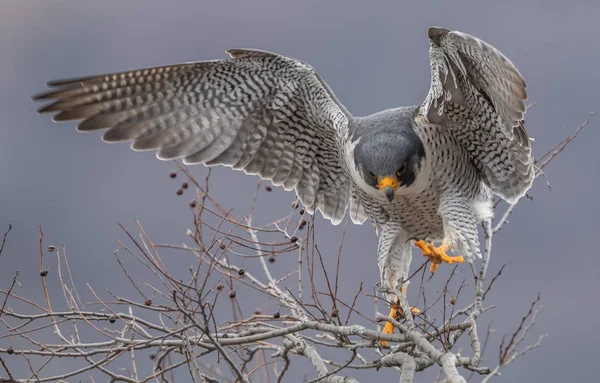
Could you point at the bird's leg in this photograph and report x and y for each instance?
(395, 313)
(393, 258)
(438, 254)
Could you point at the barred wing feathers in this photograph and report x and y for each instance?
(258, 112)
(479, 94)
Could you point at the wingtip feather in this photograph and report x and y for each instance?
(42, 96)
(435, 34)
(47, 108)
(238, 53)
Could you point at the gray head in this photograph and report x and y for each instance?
(389, 159)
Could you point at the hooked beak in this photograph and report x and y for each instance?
(389, 186)
(389, 193)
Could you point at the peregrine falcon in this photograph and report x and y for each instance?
(426, 173)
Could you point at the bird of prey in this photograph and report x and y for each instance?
(426, 173)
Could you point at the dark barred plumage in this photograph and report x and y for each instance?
(273, 116)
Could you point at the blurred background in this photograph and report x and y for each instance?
(374, 55)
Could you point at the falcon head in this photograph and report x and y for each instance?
(389, 159)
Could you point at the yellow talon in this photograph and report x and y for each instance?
(395, 313)
(437, 255)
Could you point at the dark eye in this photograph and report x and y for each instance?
(401, 170)
(373, 176)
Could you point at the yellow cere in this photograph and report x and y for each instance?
(388, 181)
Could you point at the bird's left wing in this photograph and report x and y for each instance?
(259, 112)
(478, 94)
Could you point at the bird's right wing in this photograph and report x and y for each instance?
(259, 112)
(478, 95)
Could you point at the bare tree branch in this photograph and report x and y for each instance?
(197, 320)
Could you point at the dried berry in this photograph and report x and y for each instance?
(222, 246)
(232, 294)
(256, 311)
(51, 248)
(271, 259)
(10, 350)
(44, 272)
(268, 188)
(241, 272)
(334, 313)
(184, 185)
(193, 204)
(179, 191)
(295, 204)
(173, 174)
(152, 356)
(276, 315)
(148, 302)
(452, 301)
(219, 287)
(294, 239)
(301, 211)
(112, 318)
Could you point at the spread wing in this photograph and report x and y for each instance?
(258, 112)
(479, 94)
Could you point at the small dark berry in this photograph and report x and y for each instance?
(148, 302)
(295, 204)
(222, 246)
(232, 294)
(43, 272)
(184, 185)
(301, 211)
(294, 239)
(452, 301)
(334, 313)
(268, 188)
(257, 312)
(219, 287)
(179, 191)
(193, 204)
(173, 175)
(112, 318)
(152, 356)
(225, 336)
(241, 272)
(271, 259)
(51, 248)
(10, 350)
(276, 315)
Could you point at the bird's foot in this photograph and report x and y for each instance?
(438, 254)
(395, 313)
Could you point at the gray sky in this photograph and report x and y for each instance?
(374, 56)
